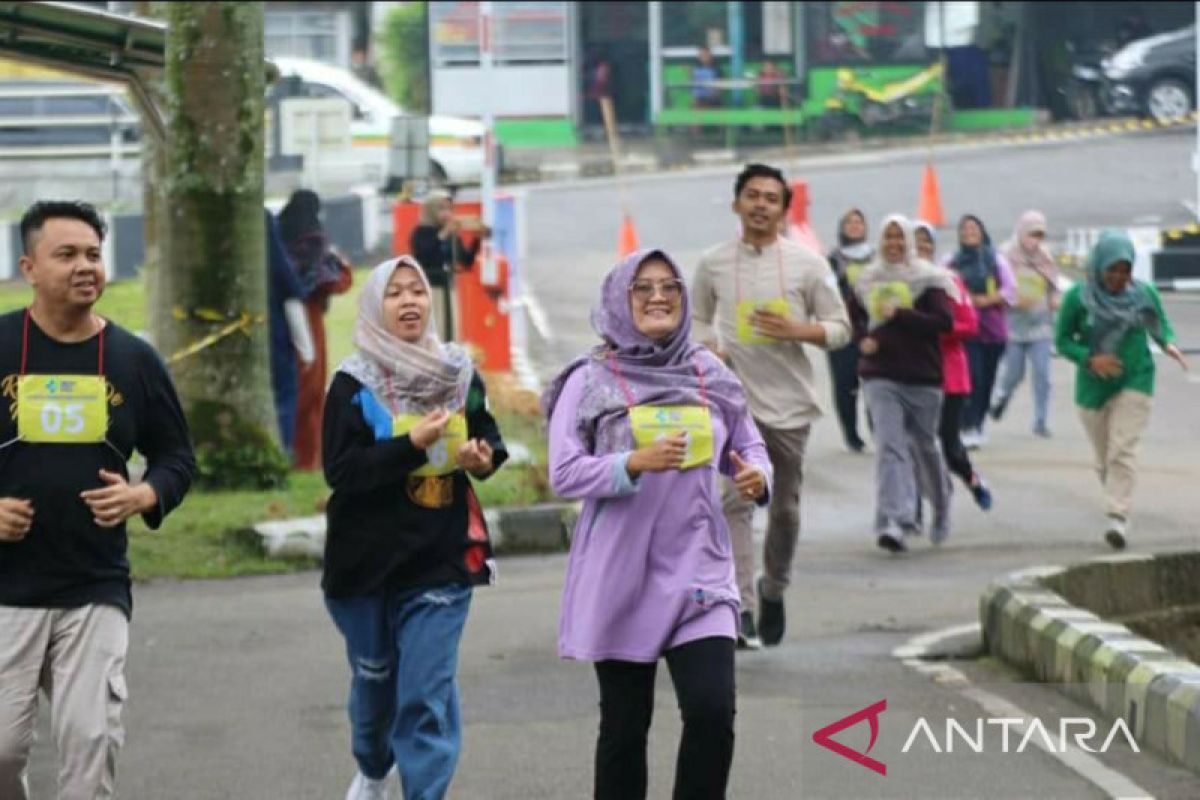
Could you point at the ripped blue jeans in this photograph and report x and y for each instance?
(403, 653)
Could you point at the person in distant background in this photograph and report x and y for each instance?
(770, 90)
(441, 252)
(599, 80)
(291, 337)
(704, 96)
(363, 69)
(323, 274)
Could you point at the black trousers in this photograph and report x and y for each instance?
(843, 369)
(949, 427)
(984, 360)
(702, 672)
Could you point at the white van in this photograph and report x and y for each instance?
(455, 143)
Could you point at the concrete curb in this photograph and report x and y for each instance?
(669, 154)
(1103, 664)
(543, 528)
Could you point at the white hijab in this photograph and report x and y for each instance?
(410, 378)
(919, 274)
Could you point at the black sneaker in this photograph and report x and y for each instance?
(1114, 532)
(997, 410)
(747, 633)
(981, 493)
(891, 543)
(771, 618)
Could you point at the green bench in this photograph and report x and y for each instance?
(679, 111)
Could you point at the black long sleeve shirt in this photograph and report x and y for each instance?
(66, 560)
(380, 535)
(435, 255)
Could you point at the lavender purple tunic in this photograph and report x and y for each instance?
(651, 564)
(993, 321)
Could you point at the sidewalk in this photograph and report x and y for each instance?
(650, 153)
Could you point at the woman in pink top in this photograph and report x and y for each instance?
(956, 376)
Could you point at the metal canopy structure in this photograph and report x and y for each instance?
(89, 42)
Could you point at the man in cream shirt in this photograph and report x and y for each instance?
(758, 301)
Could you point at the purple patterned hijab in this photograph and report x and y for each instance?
(665, 372)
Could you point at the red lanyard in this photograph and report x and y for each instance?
(737, 263)
(25, 346)
(631, 401)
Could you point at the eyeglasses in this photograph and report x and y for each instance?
(644, 290)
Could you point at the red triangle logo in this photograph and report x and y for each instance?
(824, 737)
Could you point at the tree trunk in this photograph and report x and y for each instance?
(214, 265)
(154, 232)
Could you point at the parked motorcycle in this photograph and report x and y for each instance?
(863, 103)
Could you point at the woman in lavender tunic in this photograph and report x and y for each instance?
(651, 569)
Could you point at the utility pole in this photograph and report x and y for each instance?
(489, 275)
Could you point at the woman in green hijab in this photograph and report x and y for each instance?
(1104, 326)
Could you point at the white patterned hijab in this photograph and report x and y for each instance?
(410, 378)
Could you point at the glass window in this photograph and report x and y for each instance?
(76, 105)
(302, 34)
(16, 106)
(865, 33)
(695, 25)
(531, 32)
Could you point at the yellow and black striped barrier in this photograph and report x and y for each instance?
(1095, 128)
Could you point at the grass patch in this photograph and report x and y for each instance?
(123, 302)
(208, 536)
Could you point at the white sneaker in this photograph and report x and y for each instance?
(364, 788)
(970, 438)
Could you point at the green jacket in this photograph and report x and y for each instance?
(1072, 340)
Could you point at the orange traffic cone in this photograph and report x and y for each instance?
(799, 229)
(628, 241)
(930, 207)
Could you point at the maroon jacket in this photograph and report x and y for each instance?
(910, 348)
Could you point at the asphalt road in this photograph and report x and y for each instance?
(238, 687)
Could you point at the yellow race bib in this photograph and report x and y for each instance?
(651, 423)
(62, 409)
(854, 271)
(1031, 288)
(441, 453)
(896, 293)
(991, 285)
(746, 332)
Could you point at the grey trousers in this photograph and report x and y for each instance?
(785, 448)
(77, 657)
(908, 457)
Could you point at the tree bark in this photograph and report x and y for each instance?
(154, 233)
(214, 265)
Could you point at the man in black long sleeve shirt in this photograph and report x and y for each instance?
(83, 393)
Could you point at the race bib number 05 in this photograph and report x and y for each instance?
(62, 409)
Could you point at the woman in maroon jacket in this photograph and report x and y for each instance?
(901, 307)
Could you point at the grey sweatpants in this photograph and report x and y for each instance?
(908, 457)
(785, 448)
(77, 657)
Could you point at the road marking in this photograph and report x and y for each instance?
(1112, 783)
(537, 314)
